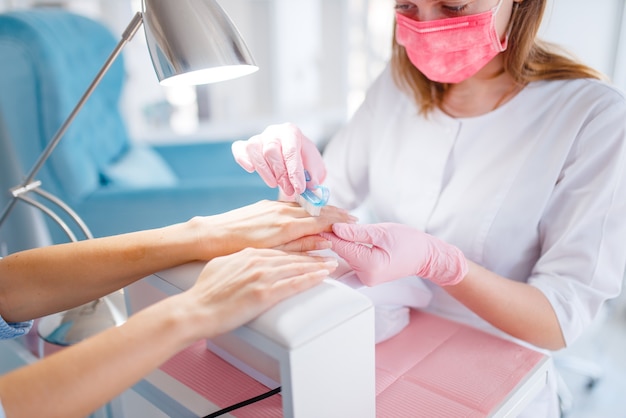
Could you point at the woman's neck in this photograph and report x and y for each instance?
(486, 91)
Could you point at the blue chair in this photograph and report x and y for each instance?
(48, 58)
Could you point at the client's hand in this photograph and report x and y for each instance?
(265, 224)
(382, 252)
(235, 289)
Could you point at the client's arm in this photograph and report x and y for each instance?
(41, 281)
(231, 291)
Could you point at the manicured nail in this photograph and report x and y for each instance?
(332, 263)
(322, 273)
(323, 245)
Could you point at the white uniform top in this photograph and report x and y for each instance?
(534, 191)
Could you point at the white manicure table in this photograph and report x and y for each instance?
(319, 347)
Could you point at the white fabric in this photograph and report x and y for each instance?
(391, 301)
(534, 191)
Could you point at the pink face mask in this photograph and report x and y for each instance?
(451, 50)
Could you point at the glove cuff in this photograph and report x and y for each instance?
(448, 265)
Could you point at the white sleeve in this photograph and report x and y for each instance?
(583, 231)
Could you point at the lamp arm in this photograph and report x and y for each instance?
(67, 209)
(130, 31)
(56, 218)
(28, 184)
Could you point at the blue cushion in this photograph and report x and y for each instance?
(139, 167)
(45, 45)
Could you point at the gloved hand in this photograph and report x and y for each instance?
(387, 251)
(280, 154)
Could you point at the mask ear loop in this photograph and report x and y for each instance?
(510, 24)
(497, 7)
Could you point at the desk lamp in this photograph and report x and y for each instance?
(190, 42)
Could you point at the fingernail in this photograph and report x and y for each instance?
(323, 245)
(353, 218)
(322, 273)
(332, 262)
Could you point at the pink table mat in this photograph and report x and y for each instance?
(433, 368)
(440, 368)
(221, 383)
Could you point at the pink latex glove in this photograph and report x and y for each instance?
(280, 154)
(387, 251)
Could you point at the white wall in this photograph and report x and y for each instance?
(300, 49)
(595, 32)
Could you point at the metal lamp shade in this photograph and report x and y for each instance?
(194, 42)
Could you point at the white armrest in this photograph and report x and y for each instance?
(318, 345)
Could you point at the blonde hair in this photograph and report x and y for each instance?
(526, 59)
